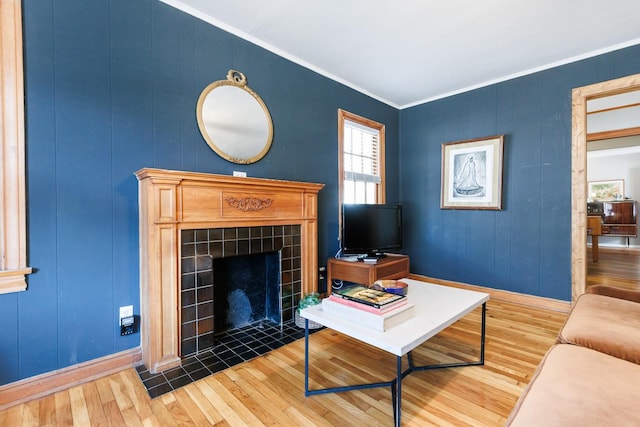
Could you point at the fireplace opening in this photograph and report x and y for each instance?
(246, 290)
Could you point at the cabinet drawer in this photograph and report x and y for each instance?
(620, 230)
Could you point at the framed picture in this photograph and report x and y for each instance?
(606, 190)
(472, 174)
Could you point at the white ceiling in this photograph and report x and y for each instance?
(406, 52)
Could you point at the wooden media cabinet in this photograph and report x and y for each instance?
(390, 267)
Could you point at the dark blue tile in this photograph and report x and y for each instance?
(188, 250)
(216, 366)
(187, 281)
(248, 354)
(234, 360)
(174, 373)
(180, 381)
(237, 346)
(226, 354)
(160, 390)
(193, 366)
(215, 234)
(287, 339)
(188, 236)
(262, 349)
(202, 235)
(154, 381)
(199, 374)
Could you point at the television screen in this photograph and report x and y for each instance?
(371, 229)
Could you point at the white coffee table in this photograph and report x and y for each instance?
(436, 308)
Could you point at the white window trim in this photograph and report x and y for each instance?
(13, 244)
(370, 124)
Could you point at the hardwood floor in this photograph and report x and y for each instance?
(269, 390)
(615, 267)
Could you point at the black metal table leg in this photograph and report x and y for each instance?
(306, 357)
(398, 397)
(478, 362)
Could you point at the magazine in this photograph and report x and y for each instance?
(370, 297)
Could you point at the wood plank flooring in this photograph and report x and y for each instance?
(615, 267)
(269, 390)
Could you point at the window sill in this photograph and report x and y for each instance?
(14, 280)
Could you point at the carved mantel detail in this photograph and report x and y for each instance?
(249, 203)
(171, 201)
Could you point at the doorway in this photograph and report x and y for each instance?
(580, 96)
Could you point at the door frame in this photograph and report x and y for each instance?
(579, 99)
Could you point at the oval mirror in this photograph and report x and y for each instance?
(234, 120)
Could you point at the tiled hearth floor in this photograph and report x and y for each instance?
(232, 347)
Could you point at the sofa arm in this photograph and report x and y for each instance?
(611, 291)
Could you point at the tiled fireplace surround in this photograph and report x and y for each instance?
(176, 204)
(199, 282)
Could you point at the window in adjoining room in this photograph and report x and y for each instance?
(361, 159)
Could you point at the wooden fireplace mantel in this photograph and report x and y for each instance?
(171, 201)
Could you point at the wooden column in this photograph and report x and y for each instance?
(159, 280)
(13, 243)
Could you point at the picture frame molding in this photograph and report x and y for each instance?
(472, 174)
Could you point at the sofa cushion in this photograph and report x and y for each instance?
(576, 386)
(610, 325)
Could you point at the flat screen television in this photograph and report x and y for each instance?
(370, 230)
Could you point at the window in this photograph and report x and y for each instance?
(361, 159)
(13, 246)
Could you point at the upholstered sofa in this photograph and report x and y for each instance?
(591, 376)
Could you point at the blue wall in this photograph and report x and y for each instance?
(111, 87)
(526, 247)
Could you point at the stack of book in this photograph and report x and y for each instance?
(375, 309)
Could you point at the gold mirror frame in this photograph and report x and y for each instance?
(234, 120)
